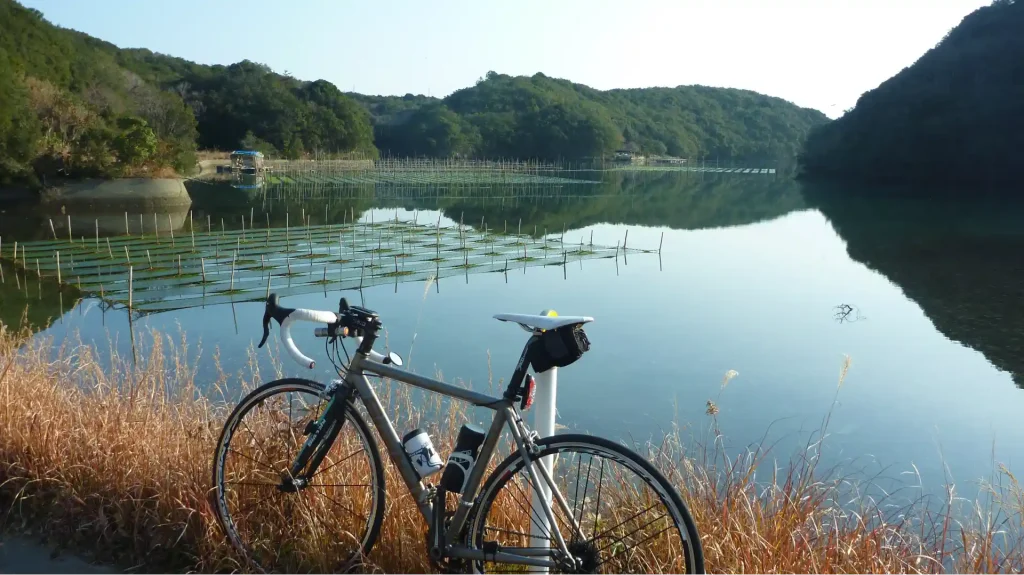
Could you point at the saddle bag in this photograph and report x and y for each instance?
(559, 347)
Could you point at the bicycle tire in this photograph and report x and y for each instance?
(552, 446)
(351, 416)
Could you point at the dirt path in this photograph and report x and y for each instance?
(22, 555)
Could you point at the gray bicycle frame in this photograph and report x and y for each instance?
(505, 413)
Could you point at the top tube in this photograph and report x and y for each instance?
(368, 364)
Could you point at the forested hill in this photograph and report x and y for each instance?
(73, 105)
(956, 116)
(542, 117)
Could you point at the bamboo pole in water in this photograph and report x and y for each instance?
(57, 253)
(70, 239)
(202, 264)
(52, 230)
(131, 284)
(126, 232)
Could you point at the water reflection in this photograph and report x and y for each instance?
(675, 200)
(25, 299)
(959, 259)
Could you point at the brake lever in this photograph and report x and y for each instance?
(268, 312)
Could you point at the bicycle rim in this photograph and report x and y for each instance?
(624, 517)
(331, 522)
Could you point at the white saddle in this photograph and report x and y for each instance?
(542, 322)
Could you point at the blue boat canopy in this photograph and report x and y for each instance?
(246, 153)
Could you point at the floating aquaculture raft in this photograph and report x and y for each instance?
(159, 273)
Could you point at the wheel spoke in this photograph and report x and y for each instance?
(308, 528)
(620, 538)
(257, 462)
(627, 513)
(347, 457)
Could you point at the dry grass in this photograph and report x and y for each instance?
(116, 460)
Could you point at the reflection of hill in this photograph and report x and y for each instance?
(42, 300)
(678, 201)
(674, 199)
(31, 220)
(960, 261)
(222, 201)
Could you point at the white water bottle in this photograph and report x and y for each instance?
(421, 453)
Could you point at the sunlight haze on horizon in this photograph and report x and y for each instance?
(818, 54)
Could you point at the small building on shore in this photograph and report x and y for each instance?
(247, 162)
(628, 156)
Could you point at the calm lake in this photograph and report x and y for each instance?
(757, 274)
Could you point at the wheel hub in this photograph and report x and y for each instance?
(291, 484)
(586, 555)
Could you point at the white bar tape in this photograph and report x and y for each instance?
(311, 315)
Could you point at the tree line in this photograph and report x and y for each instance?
(956, 116)
(76, 106)
(539, 117)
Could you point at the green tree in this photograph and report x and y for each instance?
(251, 142)
(19, 128)
(136, 141)
(432, 130)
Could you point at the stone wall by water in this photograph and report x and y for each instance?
(140, 193)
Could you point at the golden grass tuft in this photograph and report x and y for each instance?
(113, 457)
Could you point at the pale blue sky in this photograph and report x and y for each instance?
(817, 53)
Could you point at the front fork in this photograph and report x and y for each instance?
(321, 435)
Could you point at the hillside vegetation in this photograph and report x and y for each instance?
(956, 116)
(75, 106)
(548, 118)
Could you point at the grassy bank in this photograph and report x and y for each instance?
(116, 460)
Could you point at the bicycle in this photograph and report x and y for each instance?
(318, 505)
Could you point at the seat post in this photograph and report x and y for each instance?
(544, 401)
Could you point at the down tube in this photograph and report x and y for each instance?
(392, 442)
(472, 487)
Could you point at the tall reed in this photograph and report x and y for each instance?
(113, 457)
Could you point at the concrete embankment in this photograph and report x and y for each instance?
(142, 194)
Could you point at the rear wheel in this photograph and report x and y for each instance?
(624, 516)
(281, 523)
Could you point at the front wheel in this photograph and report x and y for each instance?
(623, 515)
(281, 523)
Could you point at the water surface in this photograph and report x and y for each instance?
(752, 273)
